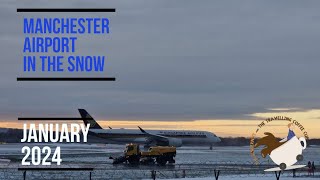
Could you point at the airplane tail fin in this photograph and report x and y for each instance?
(87, 119)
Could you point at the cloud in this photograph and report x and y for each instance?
(178, 60)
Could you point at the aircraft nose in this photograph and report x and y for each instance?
(218, 139)
(215, 138)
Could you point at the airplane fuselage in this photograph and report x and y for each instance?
(114, 136)
(175, 138)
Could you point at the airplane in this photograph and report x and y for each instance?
(149, 138)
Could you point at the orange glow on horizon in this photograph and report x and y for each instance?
(221, 127)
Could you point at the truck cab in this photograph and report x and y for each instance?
(131, 150)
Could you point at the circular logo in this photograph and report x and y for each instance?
(271, 144)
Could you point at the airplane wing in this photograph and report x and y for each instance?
(157, 138)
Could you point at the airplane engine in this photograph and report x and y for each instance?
(175, 142)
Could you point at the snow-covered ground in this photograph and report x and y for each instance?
(249, 178)
(234, 163)
(85, 153)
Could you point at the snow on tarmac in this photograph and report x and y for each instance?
(248, 178)
(234, 163)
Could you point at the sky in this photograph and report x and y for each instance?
(178, 64)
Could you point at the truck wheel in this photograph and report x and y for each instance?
(161, 161)
(171, 159)
(147, 161)
(134, 160)
(283, 166)
(299, 157)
